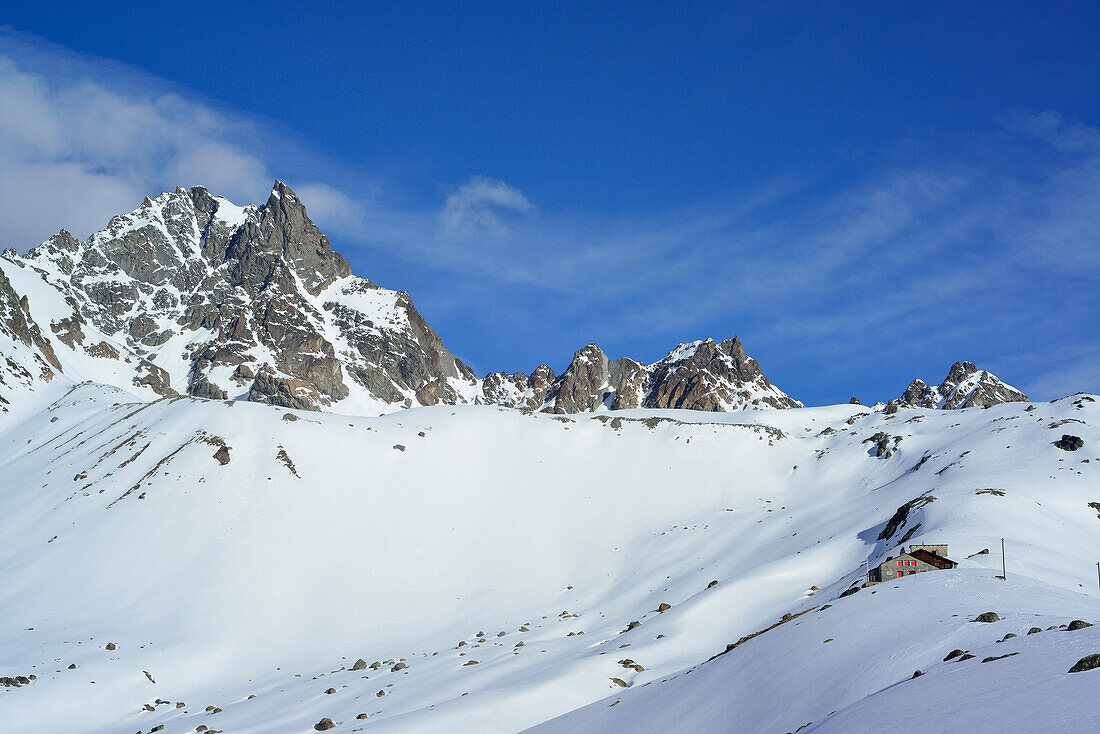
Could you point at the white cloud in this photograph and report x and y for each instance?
(330, 207)
(477, 206)
(82, 139)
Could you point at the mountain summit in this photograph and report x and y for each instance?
(964, 387)
(192, 294)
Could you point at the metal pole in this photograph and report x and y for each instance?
(1004, 571)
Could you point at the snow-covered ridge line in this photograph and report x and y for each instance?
(241, 560)
(193, 294)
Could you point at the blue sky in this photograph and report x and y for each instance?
(864, 192)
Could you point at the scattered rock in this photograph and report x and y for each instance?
(1033, 630)
(663, 607)
(470, 662)
(632, 625)
(1069, 443)
(360, 664)
(361, 716)
(14, 681)
(399, 447)
(380, 694)
(330, 691)
(222, 455)
(1089, 662)
(712, 584)
(902, 514)
(999, 657)
(111, 646)
(397, 667)
(619, 682)
(917, 674)
(954, 654)
(1078, 624)
(324, 725)
(987, 617)
(848, 592)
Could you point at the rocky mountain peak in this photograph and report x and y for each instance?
(702, 375)
(965, 386)
(191, 293)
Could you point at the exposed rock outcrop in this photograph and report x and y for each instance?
(964, 387)
(196, 295)
(197, 286)
(703, 375)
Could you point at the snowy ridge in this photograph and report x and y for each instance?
(200, 296)
(246, 556)
(964, 387)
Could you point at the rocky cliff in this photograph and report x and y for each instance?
(220, 301)
(190, 294)
(703, 375)
(964, 387)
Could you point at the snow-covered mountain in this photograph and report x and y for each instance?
(191, 294)
(216, 517)
(702, 375)
(186, 563)
(964, 387)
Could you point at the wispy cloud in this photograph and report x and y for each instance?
(478, 206)
(82, 138)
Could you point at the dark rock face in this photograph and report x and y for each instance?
(203, 297)
(704, 375)
(16, 321)
(1089, 662)
(901, 515)
(964, 387)
(526, 392)
(1069, 443)
(247, 301)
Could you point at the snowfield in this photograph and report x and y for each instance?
(226, 564)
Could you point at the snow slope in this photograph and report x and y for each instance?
(253, 586)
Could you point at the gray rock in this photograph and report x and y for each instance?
(1078, 624)
(964, 387)
(987, 617)
(1089, 662)
(1069, 443)
(222, 455)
